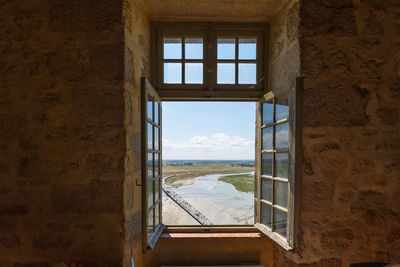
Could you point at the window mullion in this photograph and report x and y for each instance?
(236, 60)
(183, 60)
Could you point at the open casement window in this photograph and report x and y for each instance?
(151, 165)
(209, 61)
(277, 153)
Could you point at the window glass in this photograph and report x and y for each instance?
(157, 215)
(266, 164)
(156, 165)
(226, 48)
(150, 107)
(247, 73)
(150, 199)
(149, 166)
(226, 73)
(156, 190)
(282, 107)
(156, 138)
(150, 222)
(280, 193)
(282, 136)
(266, 214)
(266, 192)
(172, 48)
(267, 112)
(280, 222)
(193, 48)
(282, 165)
(194, 73)
(247, 49)
(267, 138)
(173, 73)
(149, 136)
(156, 105)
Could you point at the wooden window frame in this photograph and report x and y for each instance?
(209, 90)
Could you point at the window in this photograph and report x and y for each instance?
(213, 60)
(203, 61)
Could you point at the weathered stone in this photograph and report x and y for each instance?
(46, 241)
(10, 240)
(32, 264)
(372, 196)
(14, 210)
(388, 116)
(339, 239)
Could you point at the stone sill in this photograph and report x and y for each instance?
(211, 235)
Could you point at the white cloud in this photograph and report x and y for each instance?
(216, 147)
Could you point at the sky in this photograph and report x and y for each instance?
(208, 130)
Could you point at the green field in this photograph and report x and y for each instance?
(242, 182)
(186, 170)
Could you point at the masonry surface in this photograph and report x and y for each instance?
(70, 130)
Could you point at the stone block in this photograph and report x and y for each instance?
(14, 210)
(113, 67)
(10, 240)
(335, 17)
(51, 240)
(338, 239)
(370, 196)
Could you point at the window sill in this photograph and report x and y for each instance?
(210, 235)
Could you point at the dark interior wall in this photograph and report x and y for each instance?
(350, 208)
(62, 137)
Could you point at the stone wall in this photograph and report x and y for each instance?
(137, 60)
(284, 50)
(350, 208)
(62, 137)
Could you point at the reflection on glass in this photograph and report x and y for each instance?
(266, 185)
(225, 73)
(156, 138)
(150, 222)
(157, 215)
(156, 105)
(280, 222)
(194, 48)
(172, 48)
(282, 107)
(266, 214)
(267, 137)
(156, 165)
(266, 162)
(194, 73)
(280, 193)
(157, 190)
(282, 136)
(268, 112)
(150, 107)
(149, 166)
(282, 165)
(172, 72)
(149, 136)
(247, 73)
(150, 199)
(226, 48)
(247, 48)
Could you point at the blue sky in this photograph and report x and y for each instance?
(208, 130)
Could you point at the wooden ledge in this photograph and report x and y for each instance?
(212, 235)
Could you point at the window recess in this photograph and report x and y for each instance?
(221, 61)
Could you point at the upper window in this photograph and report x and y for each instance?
(222, 61)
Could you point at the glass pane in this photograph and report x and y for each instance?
(149, 136)
(282, 136)
(157, 215)
(282, 165)
(149, 166)
(156, 138)
(150, 222)
(150, 198)
(156, 105)
(266, 193)
(172, 72)
(280, 222)
(226, 73)
(267, 137)
(194, 73)
(150, 107)
(266, 164)
(226, 48)
(194, 48)
(157, 190)
(268, 112)
(247, 48)
(266, 214)
(280, 193)
(156, 165)
(247, 73)
(172, 48)
(282, 107)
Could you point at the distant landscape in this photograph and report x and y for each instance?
(184, 170)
